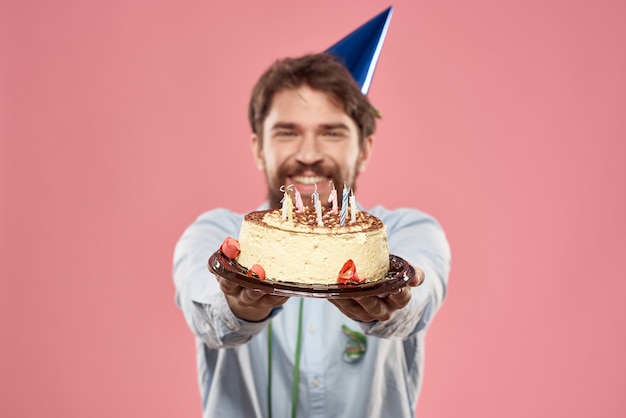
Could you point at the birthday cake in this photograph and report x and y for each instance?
(311, 247)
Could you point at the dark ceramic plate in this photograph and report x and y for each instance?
(399, 275)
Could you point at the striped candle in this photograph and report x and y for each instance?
(344, 204)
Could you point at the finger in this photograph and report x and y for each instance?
(229, 287)
(249, 297)
(272, 300)
(352, 309)
(233, 289)
(376, 307)
(399, 298)
(383, 308)
(418, 278)
(345, 305)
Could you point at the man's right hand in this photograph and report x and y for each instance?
(249, 304)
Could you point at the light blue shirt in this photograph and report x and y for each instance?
(232, 353)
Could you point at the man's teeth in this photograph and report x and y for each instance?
(309, 179)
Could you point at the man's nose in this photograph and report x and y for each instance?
(309, 152)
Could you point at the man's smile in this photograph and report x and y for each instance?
(309, 180)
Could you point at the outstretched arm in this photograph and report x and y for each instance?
(420, 240)
(220, 313)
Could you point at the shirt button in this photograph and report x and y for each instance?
(230, 324)
(316, 383)
(312, 329)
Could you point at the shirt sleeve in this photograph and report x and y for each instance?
(420, 240)
(197, 291)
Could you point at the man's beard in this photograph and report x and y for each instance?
(275, 195)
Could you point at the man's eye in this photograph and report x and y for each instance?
(333, 134)
(285, 133)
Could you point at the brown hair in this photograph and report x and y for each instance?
(321, 72)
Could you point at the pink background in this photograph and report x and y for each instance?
(123, 120)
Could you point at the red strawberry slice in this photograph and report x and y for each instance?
(256, 271)
(347, 274)
(230, 247)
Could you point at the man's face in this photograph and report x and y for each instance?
(309, 141)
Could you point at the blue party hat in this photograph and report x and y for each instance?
(359, 50)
